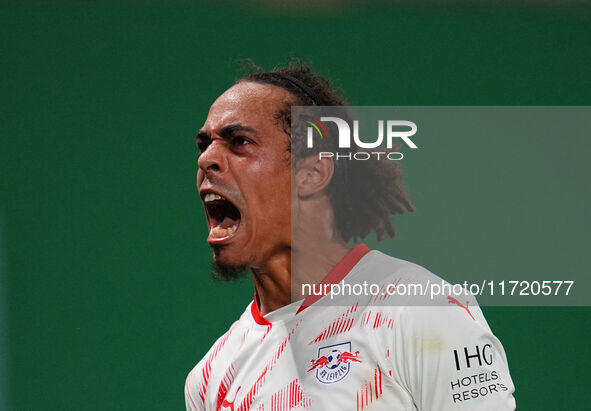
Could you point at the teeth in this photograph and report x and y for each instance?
(212, 197)
(219, 232)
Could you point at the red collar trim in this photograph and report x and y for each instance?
(339, 272)
(256, 314)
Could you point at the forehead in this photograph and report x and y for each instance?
(248, 103)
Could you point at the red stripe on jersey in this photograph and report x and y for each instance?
(342, 324)
(247, 401)
(188, 390)
(224, 385)
(207, 367)
(245, 334)
(370, 390)
(386, 291)
(267, 332)
(289, 397)
(380, 379)
(380, 319)
(375, 378)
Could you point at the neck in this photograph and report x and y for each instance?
(272, 283)
(316, 247)
(279, 282)
(313, 262)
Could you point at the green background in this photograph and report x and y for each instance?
(105, 296)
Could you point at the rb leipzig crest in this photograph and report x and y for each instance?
(333, 362)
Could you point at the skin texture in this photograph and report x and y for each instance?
(251, 168)
(245, 158)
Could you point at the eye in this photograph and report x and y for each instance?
(240, 141)
(202, 145)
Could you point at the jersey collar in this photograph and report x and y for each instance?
(339, 272)
(335, 276)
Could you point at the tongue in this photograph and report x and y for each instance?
(227, 223)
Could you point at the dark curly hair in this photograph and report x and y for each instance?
(362, 204)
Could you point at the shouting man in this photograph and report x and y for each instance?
(280, 211)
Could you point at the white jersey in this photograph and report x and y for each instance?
(319, 356)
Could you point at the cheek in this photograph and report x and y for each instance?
(199, 177)
(282, 194)
(273, 185)
(275, 173)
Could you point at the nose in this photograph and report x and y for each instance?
(213, 157)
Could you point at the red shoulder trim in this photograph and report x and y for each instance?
(339, 272)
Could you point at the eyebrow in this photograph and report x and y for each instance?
(226, 131)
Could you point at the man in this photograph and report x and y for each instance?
(284, 213)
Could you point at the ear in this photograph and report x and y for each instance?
(312, 175)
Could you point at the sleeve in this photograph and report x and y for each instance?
(448, 359)
(192, 401)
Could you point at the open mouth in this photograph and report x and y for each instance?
(223, 217)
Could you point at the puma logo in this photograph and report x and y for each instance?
(228, 404)
(452, 300)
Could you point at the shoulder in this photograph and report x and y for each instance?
(198, 379)
(377, 264)
(424, 299)
(396, 282)
(443, 350)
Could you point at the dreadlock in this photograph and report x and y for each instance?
(362, 204)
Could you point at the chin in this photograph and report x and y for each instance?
(226, 269)
(228, 255)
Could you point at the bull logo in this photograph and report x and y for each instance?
(333, 362)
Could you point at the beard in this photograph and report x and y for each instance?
(226, 272)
